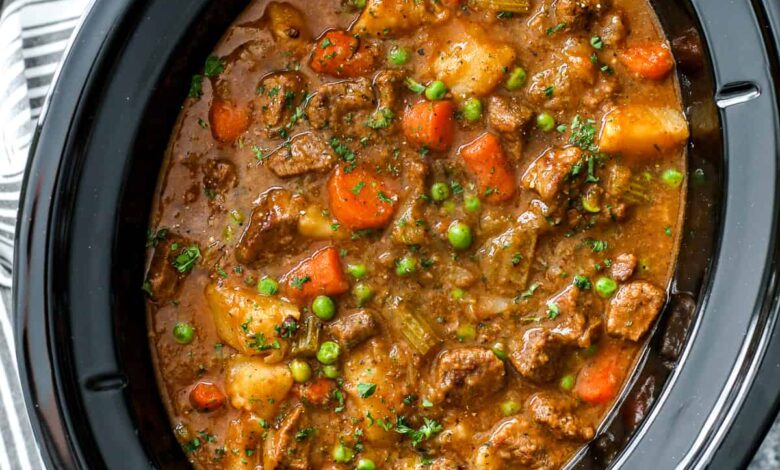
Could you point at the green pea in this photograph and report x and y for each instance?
(342, 454)
(328, 353)
(365, 464)
(436, 90)
(672, 178)
(183, 333)
(448, 206)
(406, 266)
(466, 332)
(516, 79)
(510, 407)
(301, 370)
(358, 271)
(545, 121)
(268, 286)
(605, 287)
(499, 349)
(472, 204)
(567, 382)
(324, 307)
(363, 293)
(459, 235)
(440, 191)
(472, 110)
(398, 55)
(457, 293)
(330, 372)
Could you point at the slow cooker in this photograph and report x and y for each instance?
(707, 383)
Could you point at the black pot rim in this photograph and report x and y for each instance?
(714, 410)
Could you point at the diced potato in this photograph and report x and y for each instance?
(315, 224)
(642, 130)
(246, 320)
(373, 363)
(474, 64)
(252, 385)
(244, 433)
(288, 26)
(389, 17)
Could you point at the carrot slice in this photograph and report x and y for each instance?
(359, 199)
(205, 396)
(319, 274)
(316, 392)
(653, 61)
(431, 124)
(486, 160)
(341, 54)
(599, 380)
(228, 121)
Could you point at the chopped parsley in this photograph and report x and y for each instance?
(365, 390)
(186, 259)
(381, 119)
(259, 154)
(668, 231)
(582, 282)
(456, 187)
(384, 198)
(528, 292)
(597, 42)
(304, 434)
(196, 86)
(429, 429)
(357, 188)
(325, 43)
(214, 66)
(298, 282)
(152, 237)
(501, 15)
(553, 310)
(583, 134)
(549, 91)
(516, 259)
(191, 446)
(555, 29)
(597, 246)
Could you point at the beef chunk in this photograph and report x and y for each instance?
(556, 411)
(623, 267)
(334, 100)
(387, 84)
(307, 152)
(507, 115)
(535, 356)
(219, 176)
(284, 450)
(162, 276)
(272, 227)
(570, 325)
(632, 310)
(463, 374)
(613, 29)
(547, 173)
(514, 443)
(278, 95)
(353, 329)
(405, 230)
(579, 13)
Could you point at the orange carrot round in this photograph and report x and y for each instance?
(653, 61)
(228, 121)
(599, 381)
(205, 396)
(359, 199)
(485, 158)
(431, 124)
(319, 274)
(341, 54)
(316, 392)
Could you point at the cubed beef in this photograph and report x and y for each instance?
(547, 173)
(219, 176)
(387, 84)
(307, 152)
(579, 13)
(353, 329)
(406, 230)
(623, 267)
(278, 95)
(515, 442)
(556, 411)
(613, 29)
(285, 448)
(632, 310)
(464, 374)
(536, 355)
(334, 100)
(162, 276)
(272, 227)
(508, 115)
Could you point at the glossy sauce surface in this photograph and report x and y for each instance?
(353, 265)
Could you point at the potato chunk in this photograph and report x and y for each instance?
(288, 26)
(389, 17)
(252, 385)
(246, 320)
(314, 223)
(642, 130)
(474, 64)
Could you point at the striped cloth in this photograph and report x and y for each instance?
(33, 36)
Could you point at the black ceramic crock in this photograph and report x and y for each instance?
(707, 384)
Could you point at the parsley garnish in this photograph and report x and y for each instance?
(553, 310)
(596, 245)
(214, 66)
(528, 292)
(582, 282)
(381, 118)
(366, 390)
(152, 238)
(597, 42)
(304, 434)
(429, 429)
(384, 198)
(298, 282)
(196, 86)
(516, 259)
(185, 260)
(357, 188)
(555, 29)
